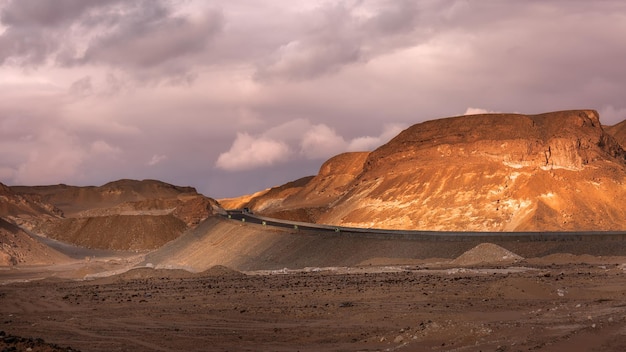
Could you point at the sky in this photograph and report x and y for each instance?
(232, 97)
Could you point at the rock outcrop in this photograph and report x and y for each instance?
(492, 172)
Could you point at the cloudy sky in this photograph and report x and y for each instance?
(235, 96)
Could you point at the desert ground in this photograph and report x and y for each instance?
(487, 299)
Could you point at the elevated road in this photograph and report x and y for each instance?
(309, 228)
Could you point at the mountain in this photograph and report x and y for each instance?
(73, 199)
(122, 215)
(619, 132)
(557, 171)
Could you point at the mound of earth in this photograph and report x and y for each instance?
(486, 253)
(120, 215)
(557, 171)
(18, 247)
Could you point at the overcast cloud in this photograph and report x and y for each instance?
(232, 97)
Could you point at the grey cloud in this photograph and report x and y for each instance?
(35, 30)
(397, 17)
(46, 13)
(145, 38)
(328, 41)
(337, 35)
(146, 44)
(25, 46)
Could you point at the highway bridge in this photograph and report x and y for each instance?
(417, 235)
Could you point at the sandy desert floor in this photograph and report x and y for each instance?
(546, 304)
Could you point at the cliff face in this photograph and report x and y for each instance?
(558, 140)
(492, 172)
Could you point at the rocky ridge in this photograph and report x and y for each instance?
(556, 171)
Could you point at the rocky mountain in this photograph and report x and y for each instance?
(557, 171)
(124, 215)
(619, 132)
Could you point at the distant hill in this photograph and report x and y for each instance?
(123, 215)
(557, 171)
(73, 199)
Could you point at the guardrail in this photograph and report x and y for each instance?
(419, 235)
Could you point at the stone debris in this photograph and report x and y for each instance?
(486, 253)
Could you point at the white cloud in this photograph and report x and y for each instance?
(477, 111)
(366, 143)
(290, 131)
(369, 143)
(322, 142)
(314, 142)
(156, 158)
(248, 152)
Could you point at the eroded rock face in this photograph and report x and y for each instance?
(566, 139)
(491, 172)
